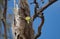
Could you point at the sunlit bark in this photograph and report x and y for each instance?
(20, 28)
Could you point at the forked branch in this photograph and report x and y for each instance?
(40, 14)
(43, 8)
(46, 6)
(40, 26)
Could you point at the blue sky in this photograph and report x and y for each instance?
(51, 27)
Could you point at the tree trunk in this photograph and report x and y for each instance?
(21, 28)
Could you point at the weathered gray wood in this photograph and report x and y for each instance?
(20, 28)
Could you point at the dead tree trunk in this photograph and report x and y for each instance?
(21, 28)
(25, 12)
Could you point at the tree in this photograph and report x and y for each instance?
(22, 24)
(4, 16)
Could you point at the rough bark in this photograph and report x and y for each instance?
(24, 12)
(20, 28)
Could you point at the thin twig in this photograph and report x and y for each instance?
(35, 9)
(46, 6)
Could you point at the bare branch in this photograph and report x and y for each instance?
(40, 14)
(35, 9)
(4, 19)
(40, 26)
(43, 8)
(46, 6)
